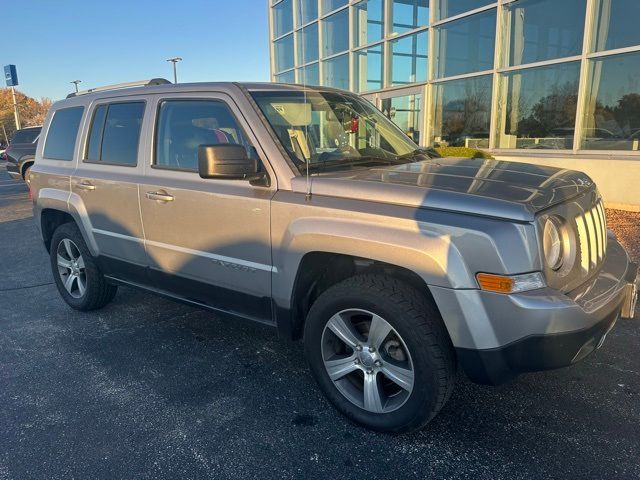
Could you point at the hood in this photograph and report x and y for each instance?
(493, 188)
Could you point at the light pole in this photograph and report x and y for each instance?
(174, 60)
(76, 82)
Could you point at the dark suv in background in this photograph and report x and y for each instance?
(21, 152)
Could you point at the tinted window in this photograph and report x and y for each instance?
(183, 125)
(95, 137)
(115, 133)
(62, 134)
(27, 135)
(122, 133)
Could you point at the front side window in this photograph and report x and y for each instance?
(334, 131)
(62, 134)
(115, 133)
(184, 125)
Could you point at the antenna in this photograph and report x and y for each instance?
(304, 90)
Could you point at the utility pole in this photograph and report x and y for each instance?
(174, 60)
(15, 107)
(76, 82)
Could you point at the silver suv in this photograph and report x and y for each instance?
(308, 210)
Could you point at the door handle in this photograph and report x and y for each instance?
(161, 196)
(84, 185)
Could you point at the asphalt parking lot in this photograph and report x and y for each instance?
(147, 388)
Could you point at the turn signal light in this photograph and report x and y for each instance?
(510, 284)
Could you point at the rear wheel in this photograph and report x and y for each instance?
(76, 273)
(380, 353)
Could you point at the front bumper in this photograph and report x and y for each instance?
(499, 336)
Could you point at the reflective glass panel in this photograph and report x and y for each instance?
(538, 107)
(450, 8)
(284, 53)
(335, 33)
(308, 44)
(282, 18)
(463, 112)
(612, 115)
(309, 75)
(368, 22)
(466, 45)
(535, 35)
(369, 74)
(336, 72)
(409, 59)
(331, 5)
(407, 15)
(616, 24)
(406, 112)
(286, 77)
(307, 11)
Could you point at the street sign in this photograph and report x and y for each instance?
(11, 75)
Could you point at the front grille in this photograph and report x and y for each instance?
(591, 226)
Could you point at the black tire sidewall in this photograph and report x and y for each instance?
(423, 399)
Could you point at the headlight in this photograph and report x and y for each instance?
(552, 243)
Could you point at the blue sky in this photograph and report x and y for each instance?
(113, 41)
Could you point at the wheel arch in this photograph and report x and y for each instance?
(319, 270)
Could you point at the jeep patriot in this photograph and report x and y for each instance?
(308, 210)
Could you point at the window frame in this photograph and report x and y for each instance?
(156, 128)
(87, 138)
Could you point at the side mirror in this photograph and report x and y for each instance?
(228, 162)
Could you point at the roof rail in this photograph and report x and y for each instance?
(117, 86)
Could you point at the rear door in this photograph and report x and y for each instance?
(207, 240)
(107, 179)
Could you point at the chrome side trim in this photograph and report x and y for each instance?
(218, 259)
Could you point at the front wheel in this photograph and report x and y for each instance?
(380, 353)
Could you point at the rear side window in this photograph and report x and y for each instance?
(28, 135)
(115, 133)
(62, 134)
(183, 125)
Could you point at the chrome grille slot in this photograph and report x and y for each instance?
(592, 237)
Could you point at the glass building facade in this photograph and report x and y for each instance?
(536, 77)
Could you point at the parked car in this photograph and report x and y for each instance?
(21, 152)
(3, 147)
(308, 210)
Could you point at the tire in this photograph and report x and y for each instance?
(418, 346)
(68, 242)
(26, 177)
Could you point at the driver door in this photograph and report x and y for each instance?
(207, 240)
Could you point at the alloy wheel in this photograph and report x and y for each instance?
(71, 268)
(367, 360)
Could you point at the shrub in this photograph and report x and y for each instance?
(463, 152)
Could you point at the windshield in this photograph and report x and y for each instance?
(335, 131)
